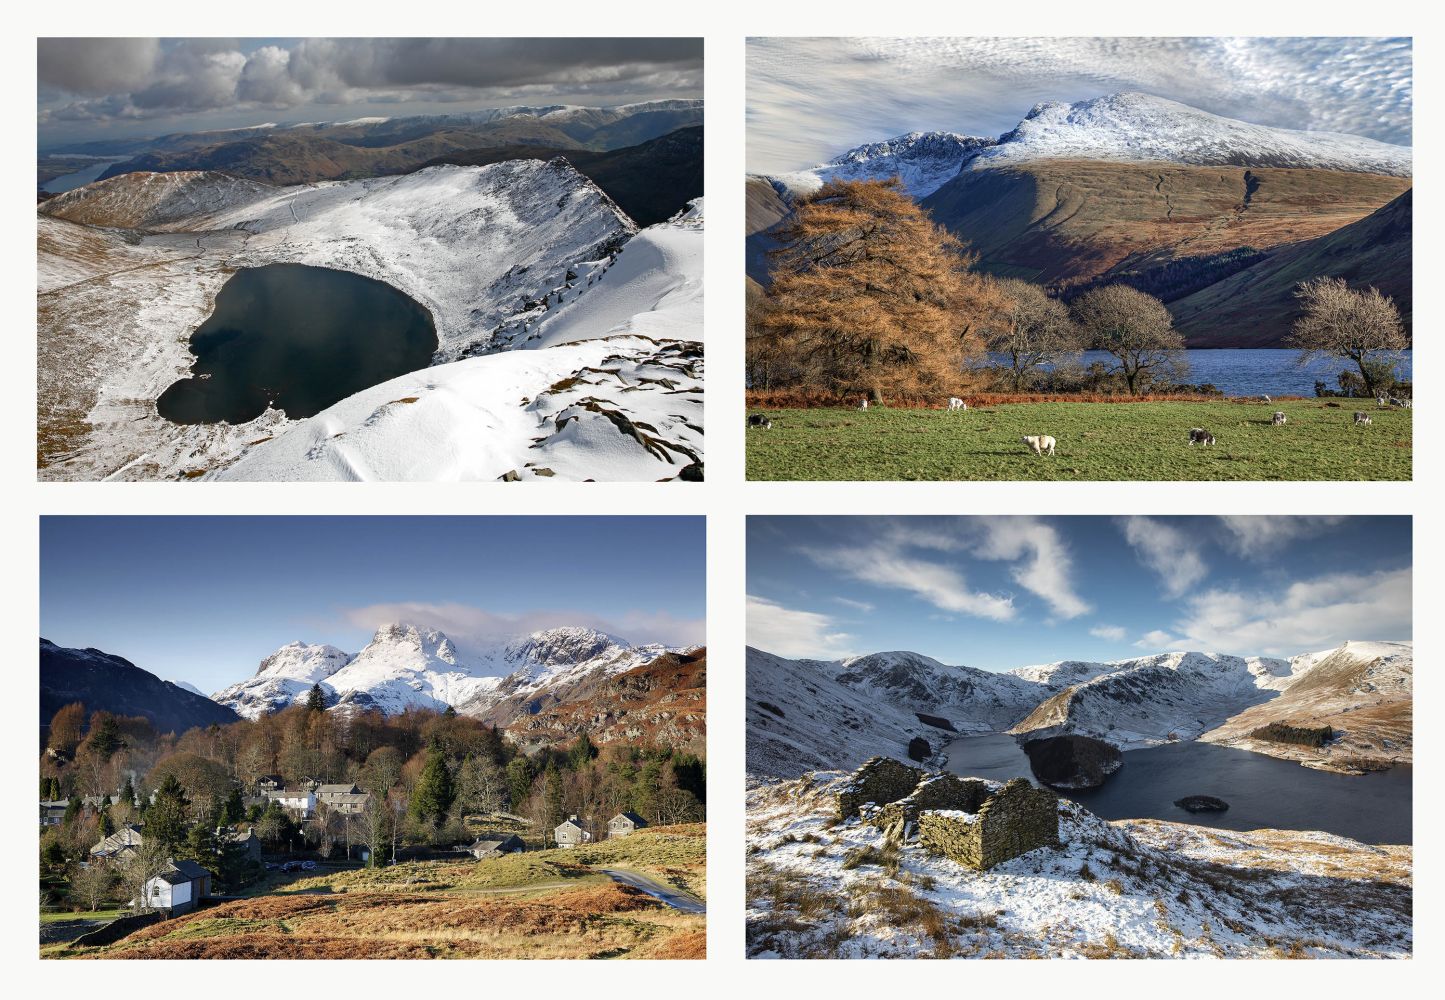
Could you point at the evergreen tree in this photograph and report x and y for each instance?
(72, 810)
(580, 754)
(433, 795)
(105, 823)
(316, 700)
(520, 775)
(104, 738)
(234, 810)
(553, 797)
(166, 819)
(127, 794)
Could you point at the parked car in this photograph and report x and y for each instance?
(291, 866)
(272, 866)
(308, 865)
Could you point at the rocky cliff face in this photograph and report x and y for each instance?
(108, 683)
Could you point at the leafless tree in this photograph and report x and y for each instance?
(1032, 329)
(1363, 327)
(1137, 330)
(92, 884)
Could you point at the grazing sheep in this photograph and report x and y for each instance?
(1395, 402)
(1279, 418)
(954, 403)
(1266, 399)
(760, 420)
(863, 403)
(1041, 444)
(1200, 436)
(1381, 402)
(1362, 419)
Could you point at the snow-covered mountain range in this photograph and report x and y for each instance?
(1129, 126)
(406, 666)
(521, 253)
(811, 714)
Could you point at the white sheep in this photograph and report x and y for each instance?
(1362, 419)
(863, 403)
(954, 403)
(1041, 444)
(1279, 418)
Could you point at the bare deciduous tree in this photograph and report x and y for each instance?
(1031, 330)
(92, 884)
(1137, 330)
(1360, 326)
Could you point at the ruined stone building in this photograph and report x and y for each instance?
(974, 822)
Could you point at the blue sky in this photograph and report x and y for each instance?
(204, 599)
(809, 99)
(1004, 592)
(99, 88)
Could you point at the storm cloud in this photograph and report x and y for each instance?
(102, 80)
(812, 98)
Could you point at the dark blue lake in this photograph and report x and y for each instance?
(80, 178)
(1260, 371)
(299, 339)
(1261, 791)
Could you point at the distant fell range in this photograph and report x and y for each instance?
(369, 147)
(108, 683)
(651, 181)
(1218, 218)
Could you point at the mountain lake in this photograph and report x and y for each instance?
(1261, 791)
(297, 338)
(1257, 371)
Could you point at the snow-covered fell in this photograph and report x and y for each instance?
(1141, 127)
(407, 666)
(1129, 126)
(514, 254)
(188, 686)
(806, 714)
(923, 161)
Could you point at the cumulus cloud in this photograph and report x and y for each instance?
(811, 98)
(1171, 554)
(888, 563)
(1047, 570)
(1310, 614)
(101, 78)
(1157, 639)
(473, 627)
(793, 633)
(1258, 536)
(1113, 633)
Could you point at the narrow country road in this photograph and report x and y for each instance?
(674, 898)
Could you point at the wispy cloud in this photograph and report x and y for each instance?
(889, 562)
(1172, 555)
(809, 99)
(1256, 536)
(793, 633)
(1156, 640)
(1113, 633)
(472, 627)
(1046, 569)
(1314, 613)
(861, 606)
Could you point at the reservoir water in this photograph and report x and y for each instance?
(299, 339)
(79, 178)
(1261, 791)
(1260, 371)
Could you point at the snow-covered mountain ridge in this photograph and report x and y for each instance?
(406, 666)
(1128, 126)
(806, 714)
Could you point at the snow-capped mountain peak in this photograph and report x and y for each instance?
(923, 161)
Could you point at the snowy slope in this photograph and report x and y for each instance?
(839, 713)
(1128, 889)
(285, 676)
(188, 686)
(519, 253)
(406, 666)
(923, 161)
(1141, 127)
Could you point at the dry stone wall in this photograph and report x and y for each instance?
(880, 780)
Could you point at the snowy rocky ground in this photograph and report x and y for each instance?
(1128, 889)
(521, 254)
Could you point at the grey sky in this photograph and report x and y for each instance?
(96, 88)
(812, 98)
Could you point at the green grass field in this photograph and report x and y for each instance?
(1101, 441)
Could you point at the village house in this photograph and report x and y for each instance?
(345, 799)
(52, 811)
(297, 801)
(119, 846)
(571, 833)
(246, 838)
(178, 889)
(269, 783)
(496, 847)
(625, 823)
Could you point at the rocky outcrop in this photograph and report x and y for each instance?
(1072, 761)
(1201, 803)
